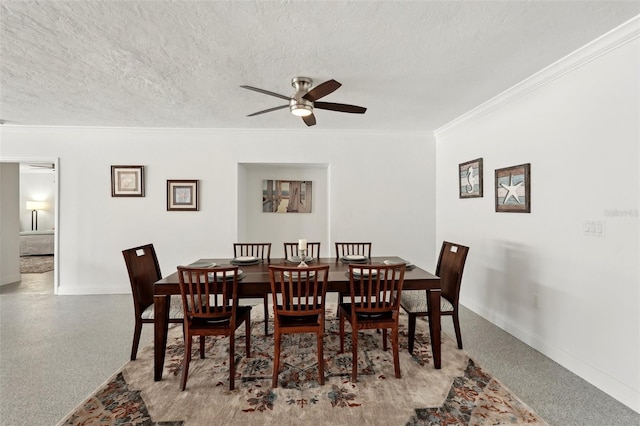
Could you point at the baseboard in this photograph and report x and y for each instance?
(603, 381)
(72, 290)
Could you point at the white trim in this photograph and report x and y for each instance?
(592, 374)
(206, 130)
(611, 40)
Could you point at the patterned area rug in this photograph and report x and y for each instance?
(36, 264)
(461, 393)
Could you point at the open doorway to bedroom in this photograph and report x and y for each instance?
(36, 199)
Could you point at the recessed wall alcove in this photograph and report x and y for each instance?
(256, 226)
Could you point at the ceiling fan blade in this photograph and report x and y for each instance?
(266, 92)
(322, 90)
(268, 110)
(354, 109)
(309, 120)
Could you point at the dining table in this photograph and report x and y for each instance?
(254, 282)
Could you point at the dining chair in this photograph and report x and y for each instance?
(263, 251)
(375, 304)
(291, 249)
(450, 267)
(144, 271)
(210, 302)
(298, 303)
(350, 249)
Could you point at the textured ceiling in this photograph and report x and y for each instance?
(414, 64)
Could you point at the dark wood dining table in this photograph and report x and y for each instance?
(256, 284)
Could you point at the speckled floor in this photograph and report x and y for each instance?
(56, 350)
(31, 284)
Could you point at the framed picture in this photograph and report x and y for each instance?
(286, 196)
(127, 181)
(182, 195)
(513, 189)
(470, 178)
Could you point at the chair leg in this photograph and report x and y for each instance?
(136, 339)
(187, 360)
(266, 314)
(412, 331)
(456, 326)
(384, 339)
(276, 358)
(396, 351)
(354, 354)
(340, 300)
(320, 357)
(247, 332)
(341, 318)
(232, 359)
(202, 339)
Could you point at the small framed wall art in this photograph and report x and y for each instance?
(513, 189)
(470, 179)
(182, 195)
(127, 181)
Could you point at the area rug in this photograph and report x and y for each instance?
(461, 393)
(36, 264)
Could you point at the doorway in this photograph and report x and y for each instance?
(38, 207)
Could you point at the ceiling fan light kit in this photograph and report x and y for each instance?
(303, 101)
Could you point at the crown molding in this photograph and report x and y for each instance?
(604, 44)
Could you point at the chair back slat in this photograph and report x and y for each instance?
(209, 293)
(345, 249)
(144, 271)
(450, 268)
(261, 250)
(298, 291)
(376, 289)
(291, 249)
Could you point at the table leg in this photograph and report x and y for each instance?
(434, 326)
(161, 326)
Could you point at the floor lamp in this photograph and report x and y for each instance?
(34, 206)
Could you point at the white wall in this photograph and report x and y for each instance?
(578, 124)
(9, 223)
(381, 187)
(38, 185)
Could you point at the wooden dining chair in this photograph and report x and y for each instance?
(263, 251)
(144, 270)
(346, 249)
(291, 249)
(375, 292)
(298, 304)
(450, 268)
(210, 301)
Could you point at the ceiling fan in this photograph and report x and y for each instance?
(305, 99)
(50, 166)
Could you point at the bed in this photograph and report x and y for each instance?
(36, 242)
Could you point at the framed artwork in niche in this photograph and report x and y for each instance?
(513, 189)
(127, 181)
(182, 195)
(287, 196)
(470, 179)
